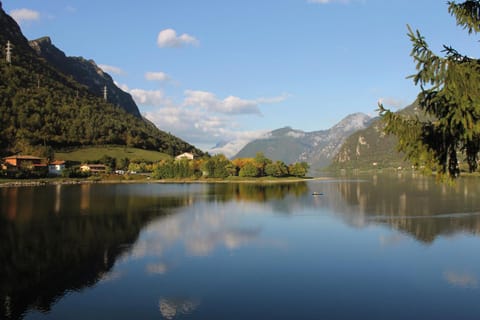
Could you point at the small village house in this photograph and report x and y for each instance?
(14, 164)
(186, 155)
(56, 167)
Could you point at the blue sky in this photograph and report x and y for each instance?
(210, 70)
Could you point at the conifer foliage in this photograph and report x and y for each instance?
(449, 102)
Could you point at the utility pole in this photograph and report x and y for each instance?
(105, 93)
(9, 52)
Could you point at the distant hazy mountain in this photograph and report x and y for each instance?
(231, 147)
(316, 148)
(371, 148)
(85, 72)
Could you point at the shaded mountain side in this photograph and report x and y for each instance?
(85, 72)
(41, 108)
(316, 148)
(371, 148)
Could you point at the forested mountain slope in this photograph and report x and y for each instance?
(85, 72)
(316, 148)
(42, 108)
(372, 148)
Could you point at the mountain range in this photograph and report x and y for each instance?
(317, 148)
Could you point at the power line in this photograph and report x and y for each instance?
(105, 93)
(9, 52)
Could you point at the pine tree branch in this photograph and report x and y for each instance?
(467, 14)
(431, 68)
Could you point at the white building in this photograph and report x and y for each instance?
(186, 155)
(56, 167)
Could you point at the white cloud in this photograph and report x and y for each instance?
(124, 87)
(22, 15)
(229, 105)
(194, 125)
(202, 118)
(236, 141)
(168, 38)
(203, 129)
(157, 76)
(155, 98)
(111, 69)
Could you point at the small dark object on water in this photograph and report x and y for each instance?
(317, 194)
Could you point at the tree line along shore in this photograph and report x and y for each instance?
(184, 167)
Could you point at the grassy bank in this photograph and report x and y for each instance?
(93, 153)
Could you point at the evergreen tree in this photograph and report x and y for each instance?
(449, 100)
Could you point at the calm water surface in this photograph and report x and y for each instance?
(381, 247)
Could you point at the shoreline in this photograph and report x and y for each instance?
(53, 182)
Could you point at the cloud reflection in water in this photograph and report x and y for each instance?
(198, 230)
(461, 279)
(170, 308)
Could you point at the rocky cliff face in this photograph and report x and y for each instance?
(85, 72)
(371, 148)
(316, 148)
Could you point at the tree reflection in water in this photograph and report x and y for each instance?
(47, 252)
(54, 240)
(414, 204)
(58, 239)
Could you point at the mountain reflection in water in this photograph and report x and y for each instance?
(414, 204)
(157, 247)
(64, 238)
(54, 240)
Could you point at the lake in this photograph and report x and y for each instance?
(377, 247)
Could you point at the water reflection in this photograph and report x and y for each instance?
(255, 192)
(65, 238)
(198, 229)
(170, 242)
(60, 239)
(461, 279)
(414, 204)
(171, 308)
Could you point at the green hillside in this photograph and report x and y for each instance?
(118, 152)
(41, 109)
